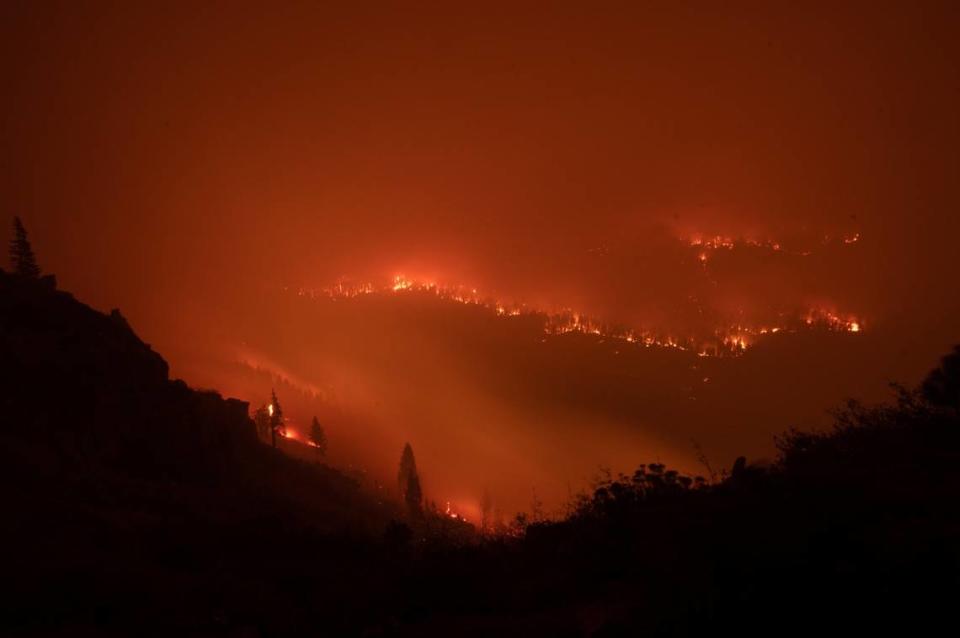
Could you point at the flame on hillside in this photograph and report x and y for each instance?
(706, 245)
(451, 513)
(723, 340)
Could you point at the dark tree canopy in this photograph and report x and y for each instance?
(22, 259)
(414, 495)
(942, 385)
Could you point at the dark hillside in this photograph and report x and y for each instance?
(854, 531)
(131, 496)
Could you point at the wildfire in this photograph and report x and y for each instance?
(402, 283)
(833, 321)
(730, 340)
(729, 243)
(705, 245)
(712, 242)
(450, 513)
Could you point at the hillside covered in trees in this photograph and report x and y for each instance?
(137, 505)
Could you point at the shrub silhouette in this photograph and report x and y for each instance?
(942, 386)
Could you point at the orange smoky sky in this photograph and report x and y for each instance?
(197, 164)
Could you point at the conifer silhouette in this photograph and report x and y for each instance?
(409, 480)
(22, 259)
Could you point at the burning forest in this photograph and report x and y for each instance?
(358, 319)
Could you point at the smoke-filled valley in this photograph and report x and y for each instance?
(564, 319)
(513, 397)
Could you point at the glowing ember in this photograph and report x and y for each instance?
(450, 513)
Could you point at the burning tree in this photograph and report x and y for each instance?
(409, 481)
(318, 438)
(276, 418)
(22, 259)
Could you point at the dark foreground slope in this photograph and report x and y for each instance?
(855, 531)
(134, 505)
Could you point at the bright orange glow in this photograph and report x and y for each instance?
(730, 340)
(833, 321)
(450, 513)
(706, 245)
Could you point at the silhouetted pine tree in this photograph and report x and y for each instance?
(414, 495)
(22, 259)
(276, 418)
(407, 465)
(409, 480)
(319, 438)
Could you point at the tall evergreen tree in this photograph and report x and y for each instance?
(319, 438)
(414, 495)
(276, 418)
(22, 259)
(408, 465)
(409, 480)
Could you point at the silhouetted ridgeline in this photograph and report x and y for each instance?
(137, 506)
(129, 497)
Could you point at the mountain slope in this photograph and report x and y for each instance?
(132, 497)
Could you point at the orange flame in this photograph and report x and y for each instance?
(729, 341)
